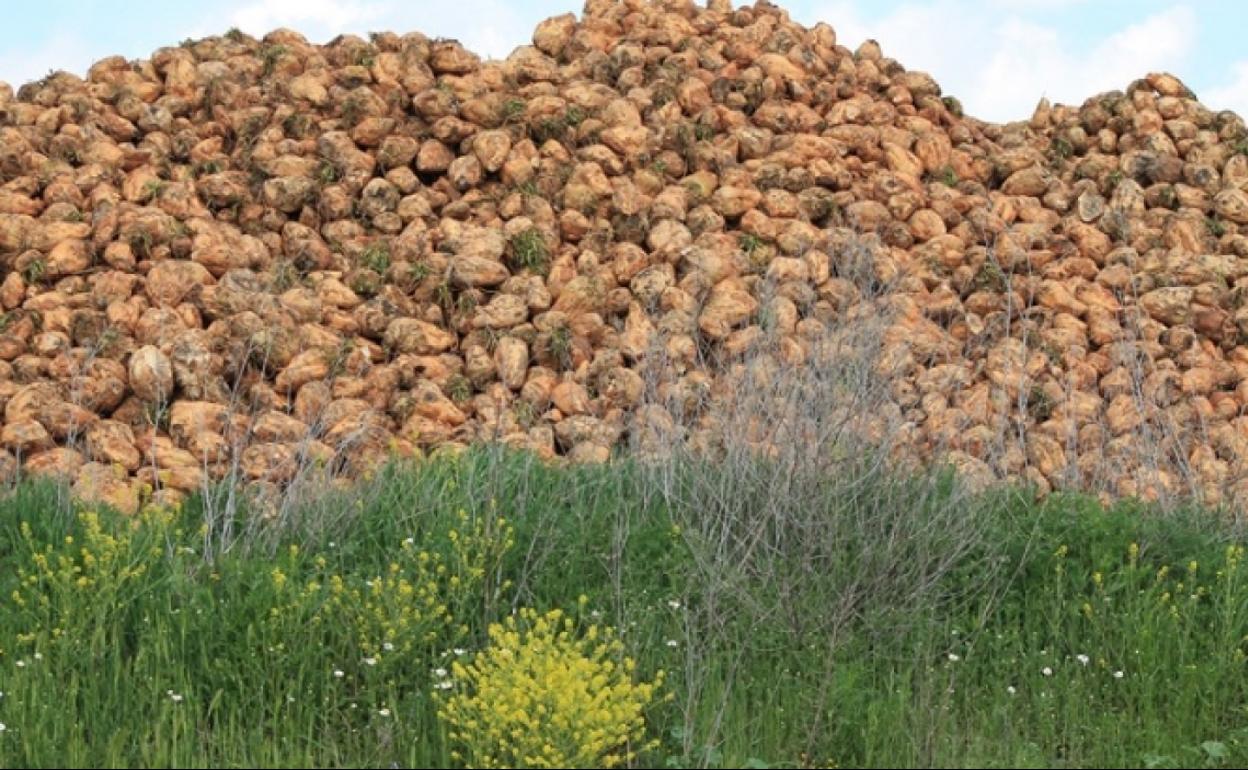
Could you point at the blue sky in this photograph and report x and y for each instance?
(998, 56)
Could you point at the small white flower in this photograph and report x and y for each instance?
(1083, 659)
(445, 684)
(1011, 690)
(3, 727)
(370, 661)
(595, 614)
(384, 712)
(409, 541)
(672, 643)
(21, 664)
(1118, 675)
(673, 603)
(175, 697)
(440, 673)
(38, 656)
(954, 658)
(1046, 671)
(459, 651)
(290, 699)
(338, 673)
(387, 646)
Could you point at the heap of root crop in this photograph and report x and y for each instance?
(250, 256)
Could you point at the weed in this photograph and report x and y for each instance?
(946, 175)
(376, 257)
(561, 346)
(270, 55)
(326, 172)
(458, 388)
(296, 124)
(529, 252)
(153, 188)
(35, 270)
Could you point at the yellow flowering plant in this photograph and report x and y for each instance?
(544, 693)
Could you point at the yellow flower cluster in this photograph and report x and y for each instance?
(416, 604)
(65, 587)
(543, 695)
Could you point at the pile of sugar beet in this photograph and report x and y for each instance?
(244, 256)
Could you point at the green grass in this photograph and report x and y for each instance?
(175, 639)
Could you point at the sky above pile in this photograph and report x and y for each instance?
(998, 56)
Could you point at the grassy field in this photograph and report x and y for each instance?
(798, 620)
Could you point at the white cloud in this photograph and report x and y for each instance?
(1001, 63)
(491, 28)
(1232, 95)
(264, 16)
(62, 52)
(1033, 5)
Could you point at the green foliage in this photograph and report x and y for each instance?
(529, 251)
(376, 257)
(270, 55)
(561, 345)
(326, 173)
(946, 176)
(296, 124)
(1060, 150)
(331, 635)
(547, 692)
(458, 388)
(35, 270)
(152, 189)
(513, 109)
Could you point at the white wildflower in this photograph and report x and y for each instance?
(673, 603)
(672, 643)
(370, 661)
(1046, 671)
(954, 657)
(3, 727)
(445, 684)
(38, 656)
(384, 712)
(387, 646)
(440, 673)
(338, 673)
(459, 651)
(1083, 659)
(1118, 675)
(1011, 690)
